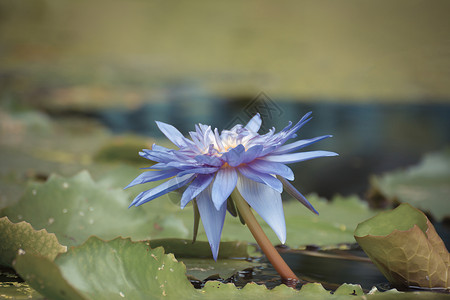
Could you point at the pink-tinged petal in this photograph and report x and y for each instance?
(152, 176)
(223, 185)
(269, 167)
(164, 188)
(298, 145)
(173, 134)
(200, 183)
(297, 195)
(212, 219)
(262, 178)
(266, 202)
(297, 157)
(254, 124)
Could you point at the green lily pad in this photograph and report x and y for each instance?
(22, 237)
(349, 289)
(123, 149)
(76, 208)
(201, 269)
(201, 249)
(404, 246)
(425, 186)
(122, 269)
(335, 224)
(118, 269)
(198, 258)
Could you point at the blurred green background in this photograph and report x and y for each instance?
(375, 74)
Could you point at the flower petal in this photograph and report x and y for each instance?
(252, 153)
(262, 178)
(200, 183)
(199, 171)
(212, 219)
(234, 156)
(296, 157)
(254, 124)
(173, 134)
(298, 145)
(164, 188)
(266, 202)
(152, 176)
(270, 167)
(223, 185)
(297, 195)
(209, 160)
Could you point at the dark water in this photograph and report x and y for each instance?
(370, 138)
(331, 268)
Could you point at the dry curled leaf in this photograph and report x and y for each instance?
(404, 245)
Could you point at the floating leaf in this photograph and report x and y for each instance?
(425, 186)
(76, 208)
(405, 247)
(123, 149)
(118, 269)
(186, 248)
(15, 236)
(335, 224)
(121, 269)
(349, 289)
(201, 269)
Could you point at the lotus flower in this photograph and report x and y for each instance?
(212, 165)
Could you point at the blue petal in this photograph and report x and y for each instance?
(195, 188)
(254, 124)
(296, 157)
(234, 156)
(209, 160)
(266, 202)
(212, 219)
(164, 188)
(297, 195)
(152, 176)
(262, 178)
(173, 134)
(252, 153)
(223, 185)
(299, 144)
(269, 167)
(199, 171)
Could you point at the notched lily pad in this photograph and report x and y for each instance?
(117, 269)
(404, 245)
(425, 186)
(21, 236)
(77, 207)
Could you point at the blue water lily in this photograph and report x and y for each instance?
(212, 165)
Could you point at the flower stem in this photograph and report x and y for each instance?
(288, 277)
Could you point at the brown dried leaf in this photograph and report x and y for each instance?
(404, 245)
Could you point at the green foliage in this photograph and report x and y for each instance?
(405, 247)
(425, 186)
(123, 149)
(122, 269)
(22, 237)
(76, 208)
